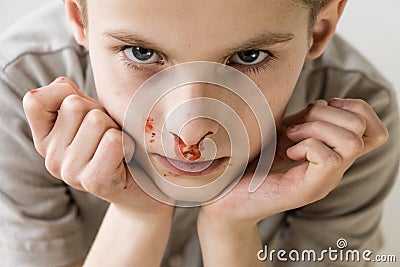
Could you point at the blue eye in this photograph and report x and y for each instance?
(250, 57)
(141, 55)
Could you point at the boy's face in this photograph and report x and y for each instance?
(130, 40)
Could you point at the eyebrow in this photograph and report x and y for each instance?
(262, 39)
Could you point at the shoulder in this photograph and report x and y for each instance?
(39, 47)
(343, 72)
(348, 67)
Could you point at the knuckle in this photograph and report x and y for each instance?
(360, 123)
(113, 137)
(96, 117)
(91, 184)
(52, 163)
(65, 86)
(316, 126)
(359, 104)
(354, 143)
(382, 137)
(40, 147)
(312, 113)
(73, 103)
(310, 142)
(68, 172)
(29, 101)
(333, 160)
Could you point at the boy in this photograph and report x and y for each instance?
(303, 204)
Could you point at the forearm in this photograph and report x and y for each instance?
(224, 245)
(126, 240)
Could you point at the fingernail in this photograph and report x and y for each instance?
(335, 102)
(293, 128)
(129, 147)
(321, 102)
(59, 80)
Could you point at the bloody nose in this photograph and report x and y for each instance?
(190, 152)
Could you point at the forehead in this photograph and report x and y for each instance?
(197, 21)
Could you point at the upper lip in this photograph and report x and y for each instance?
(189, 161)
(190, 167)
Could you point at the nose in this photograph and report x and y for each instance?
(196, 130)
(187, 124)
(194, 133)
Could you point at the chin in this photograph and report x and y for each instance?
(196, 184)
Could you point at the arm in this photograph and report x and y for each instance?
(327, 139)
(37, 214)
(228, 245)
(83, 147)
(354, 209)
(133, 241)
(116, 235)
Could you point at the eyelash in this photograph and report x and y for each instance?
(131, 65)
(249, 69)
(257, 68)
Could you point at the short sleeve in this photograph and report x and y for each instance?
(43, 222)
(39, 222)
(353, 210)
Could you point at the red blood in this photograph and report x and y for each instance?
(151, 141)
(191, 152)
(153, 134)
(149, 125)
(34, 91)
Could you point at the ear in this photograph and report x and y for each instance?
(325, 27)
(74, 14)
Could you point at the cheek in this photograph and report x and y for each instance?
(278, 86)
(115, 83)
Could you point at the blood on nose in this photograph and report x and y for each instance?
(189, 152)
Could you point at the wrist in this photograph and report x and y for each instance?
(221, 224)
(134, 240)
(228, 244)
(163, 214)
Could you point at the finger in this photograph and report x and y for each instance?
(297, 117)
(90, 134)
(70, 116)
(323, 162)
(108, 161)
(376, 133)
(41, 105)
(73, 85)
(344, 142)
(315, 152)
(321, 111)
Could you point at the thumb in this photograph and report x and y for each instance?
(128, 146)
(299, 117)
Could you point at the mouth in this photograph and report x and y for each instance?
(178, 167)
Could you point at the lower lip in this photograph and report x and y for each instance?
(214, 166)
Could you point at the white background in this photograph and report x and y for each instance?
(370, 25)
